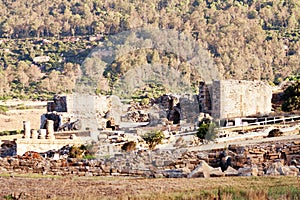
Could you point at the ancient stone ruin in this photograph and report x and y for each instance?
(84, 112)
(44, 139)
(107, 124)
(235, 98)
(268, 159)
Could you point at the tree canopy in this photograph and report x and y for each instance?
(252, 40)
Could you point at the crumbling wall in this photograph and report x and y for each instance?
(189, 108)
(43, 145)
(179, 107)
(237, 98)
(204, 98)
(258, 160)
(92, 111)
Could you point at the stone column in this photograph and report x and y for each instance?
(26, 127)
(34, 134)
(42, 133)
(50, 129)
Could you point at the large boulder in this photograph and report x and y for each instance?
(273, 170)
(248, 171)
(287, 171)
(231, 172)
(206, 171)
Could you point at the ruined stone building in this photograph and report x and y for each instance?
(225, 99)
(94, 112)
(180, 108)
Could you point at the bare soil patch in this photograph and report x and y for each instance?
(13, 120)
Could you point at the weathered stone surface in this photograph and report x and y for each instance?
(273, 170)
(236, 98)
(248, 171)
(204, 170)
(231, 172)
(167, 163)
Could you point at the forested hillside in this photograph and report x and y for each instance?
(247, 39)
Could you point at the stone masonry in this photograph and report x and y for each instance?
(44, 139)
(93, 111)
(238, 98)
(269, 159)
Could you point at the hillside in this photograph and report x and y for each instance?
(252, 40)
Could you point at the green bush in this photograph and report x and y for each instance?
(89, 157)
(75, 152)
(3, 109)
(275, 133)
(14, 132)
(206, 131)
(83, 151)
(21, 107)
(153, 138)
(292, 98)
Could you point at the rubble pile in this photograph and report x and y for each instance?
(137, 112)
(114, 137)
(260, 160)
(138, 116)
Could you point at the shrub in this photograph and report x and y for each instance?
(145, 101)
(275, 133)
(292, 98)
(21, 107)
(14, 132)
(206, 131)
(89, 157)
(128, 146)
(153, 138)
(79, 152)
(3, 109)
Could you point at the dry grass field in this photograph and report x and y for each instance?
(13, 120)
(19, 111)
(45, 187)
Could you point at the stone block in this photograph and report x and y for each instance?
(204, 170)
(248, 171)
(231, 172)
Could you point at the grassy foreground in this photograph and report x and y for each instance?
(139, 189)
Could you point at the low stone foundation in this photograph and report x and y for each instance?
(43, 145)
(273, 159)
(46, 139)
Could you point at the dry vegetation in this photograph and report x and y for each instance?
(251, 40)
(13, 120)
(38, 187)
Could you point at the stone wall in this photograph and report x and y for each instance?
(238, 98)
(186, 104)
(93, 111)
(43, 145)
(205, 97)
(189, 108)
(280, 158)
(43, 140)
